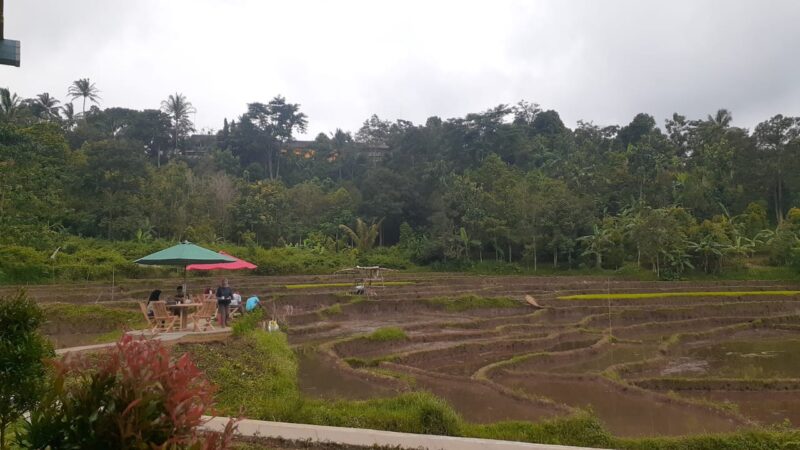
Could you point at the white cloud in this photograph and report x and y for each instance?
(601, 61)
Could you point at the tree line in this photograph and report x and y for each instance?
(512, 183)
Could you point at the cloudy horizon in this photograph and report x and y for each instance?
(344, 61)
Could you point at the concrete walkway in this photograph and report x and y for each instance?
(369, 438)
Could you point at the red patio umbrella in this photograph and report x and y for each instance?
(236, 265)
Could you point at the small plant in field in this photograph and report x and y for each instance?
(22, 351)
(387, 334)
(332, 310)
(134, 396)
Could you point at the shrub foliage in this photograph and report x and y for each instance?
(22, 351)
(132, 397)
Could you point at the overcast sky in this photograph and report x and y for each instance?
(601, 61)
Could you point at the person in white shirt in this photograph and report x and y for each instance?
(236, 302)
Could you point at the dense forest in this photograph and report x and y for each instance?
(510, 184)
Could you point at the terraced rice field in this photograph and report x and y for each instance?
(721, 358)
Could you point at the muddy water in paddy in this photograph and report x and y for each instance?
(482, 404)
(751, 356)
(615, 354)
(764, 406)
(756, 359)
(320, 377)
(624, 413)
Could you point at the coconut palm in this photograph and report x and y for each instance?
(47, 106)
(68, 110)
(9, 104)
(179, 109)
(363, 236)
(86, 89)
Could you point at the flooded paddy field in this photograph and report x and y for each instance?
(720, 360)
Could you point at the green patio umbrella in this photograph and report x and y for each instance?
(183, 255)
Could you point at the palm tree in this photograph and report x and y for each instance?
(178, 108)
(48, 105)
(86, 89)
(68, 110)
(9, 104)
(722, 119)
(364, 235)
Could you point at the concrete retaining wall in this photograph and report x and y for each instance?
(368, 438)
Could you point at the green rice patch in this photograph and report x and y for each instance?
(470, 302)
(387, 334)
(645, 295)
(327, 285)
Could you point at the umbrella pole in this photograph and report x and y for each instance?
(185, 293)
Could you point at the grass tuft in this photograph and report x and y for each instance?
(470, 302)
(387, 334)
(644, 295)
(327, 285)
(331, 310)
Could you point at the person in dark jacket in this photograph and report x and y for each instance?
(154, 297)
(224, 297)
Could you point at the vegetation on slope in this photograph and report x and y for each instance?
(499, 190)
(257, 377)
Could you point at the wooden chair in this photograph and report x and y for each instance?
(164, 320)
(147, 317)
(204, 317)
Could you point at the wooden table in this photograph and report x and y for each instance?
(183, 310)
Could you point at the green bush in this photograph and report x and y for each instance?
(249, 321)
(133, 396)
(415, 412)
(22, 264)
(583, 429)
(387, 334)
(777, 439)
(22, 354)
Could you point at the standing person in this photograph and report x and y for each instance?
(224, 297)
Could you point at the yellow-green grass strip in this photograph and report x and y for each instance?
(326, 285)
(644, 295)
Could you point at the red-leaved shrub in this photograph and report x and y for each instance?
(134, 396)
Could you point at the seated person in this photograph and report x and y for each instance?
(154, 297)
(236, 302)
(176, 300)
(252, 303)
